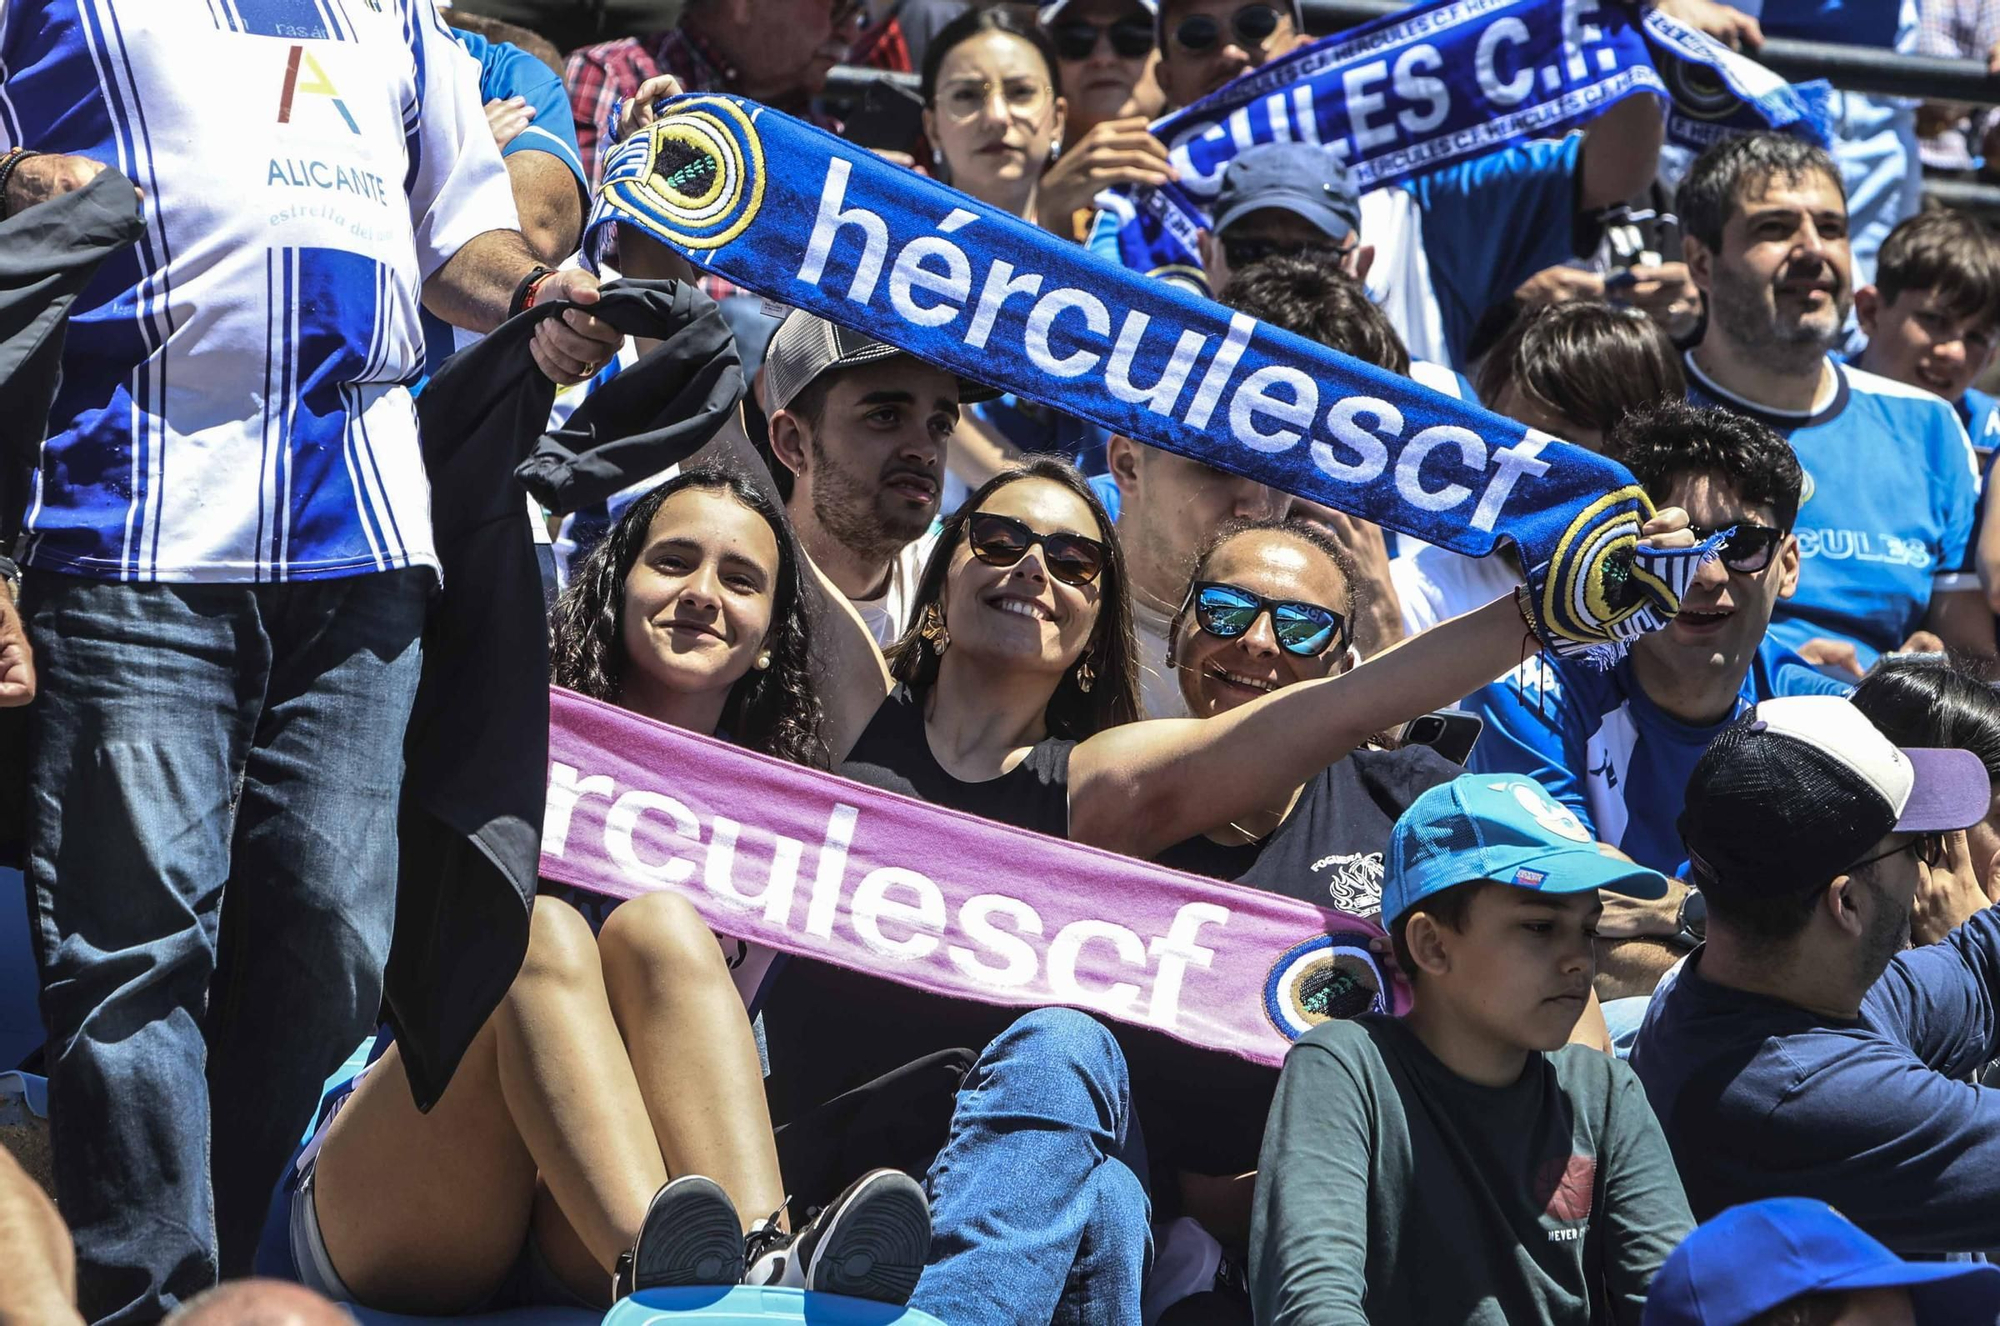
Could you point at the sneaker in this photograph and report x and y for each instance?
(871, 1243)
(691, 1236)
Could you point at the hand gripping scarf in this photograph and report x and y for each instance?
(1425, 87)
(789, 211)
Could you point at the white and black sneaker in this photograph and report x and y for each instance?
(871, 1243)
(691, 1236)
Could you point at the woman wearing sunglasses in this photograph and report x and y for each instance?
(1105, 51)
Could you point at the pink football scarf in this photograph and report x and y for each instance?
(945, 903)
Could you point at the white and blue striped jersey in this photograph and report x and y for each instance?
(234, 403)
(1605, 750)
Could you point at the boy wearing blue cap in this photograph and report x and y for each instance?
(1793, 1261)
(1462, 1164)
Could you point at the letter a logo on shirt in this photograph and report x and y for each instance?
(317, 85)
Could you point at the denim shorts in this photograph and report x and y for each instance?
(530, 1283)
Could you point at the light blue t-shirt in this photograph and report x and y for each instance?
(505, 70)
(1891, 496)
(1605, 750)
(1453, 244)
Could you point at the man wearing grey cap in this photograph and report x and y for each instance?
(861, 430)
(1804, 1050)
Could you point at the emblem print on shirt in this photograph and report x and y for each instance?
(1564, 1186)
(317, 84)
(1354, 881)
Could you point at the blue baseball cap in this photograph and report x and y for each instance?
(1501, 828)
(1301, 178)
(1752, 1258)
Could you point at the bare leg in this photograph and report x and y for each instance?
(691, 1049)
(38, 1284)
(427, 1212)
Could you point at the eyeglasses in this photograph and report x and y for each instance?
(1746, 551)
(967, 99)
(1253, 25)
(1227, 611)
(1002, 541)
(1243, 252)
(1929, 848)
(1131, 37)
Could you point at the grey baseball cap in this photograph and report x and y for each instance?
(806, 346)
(1052, 9)
(1301, 178)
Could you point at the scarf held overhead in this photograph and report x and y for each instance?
(789, 211)
(1417, 90)
(939, 901)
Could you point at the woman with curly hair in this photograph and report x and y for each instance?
(609, 1120)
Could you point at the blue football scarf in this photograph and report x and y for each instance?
(1415, 91)
(795, 214)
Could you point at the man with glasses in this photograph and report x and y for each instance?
(1105, 53)
(1205, 43)
(1803, 1050)
(1616, 746)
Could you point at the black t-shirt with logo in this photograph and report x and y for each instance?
(1329, 849)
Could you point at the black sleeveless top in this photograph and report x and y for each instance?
(1329, 849)
(895, 755)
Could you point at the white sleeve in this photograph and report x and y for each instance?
(458, 185)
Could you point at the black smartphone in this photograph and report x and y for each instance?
(886, 116)
(1452, 733)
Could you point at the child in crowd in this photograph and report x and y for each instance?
(1465, 1134)
(1933, 315)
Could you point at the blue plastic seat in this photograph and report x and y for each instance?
(750, 1305)
(737, 1305)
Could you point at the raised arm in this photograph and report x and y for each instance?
(1143, 787)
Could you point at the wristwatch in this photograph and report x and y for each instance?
(1692, 919)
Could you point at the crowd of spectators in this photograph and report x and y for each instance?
(1696, 943)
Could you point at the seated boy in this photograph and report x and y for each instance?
(1460, 1165)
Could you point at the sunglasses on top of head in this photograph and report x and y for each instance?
(1002, 541)
(1252, 26)
(1748, 549)
(1076, 39)
(1228, 611)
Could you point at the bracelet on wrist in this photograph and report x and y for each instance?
(524, 293)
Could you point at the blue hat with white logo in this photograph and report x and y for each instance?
(1754, 1257)
(1501, 828)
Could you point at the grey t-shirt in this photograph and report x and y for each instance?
(1392, 1190)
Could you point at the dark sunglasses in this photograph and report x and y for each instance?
(1227, 611)
(1003, 541)
(1243, 252)
(1747, 550)
(1252, 26)
(1131, 37)
(1929, 849)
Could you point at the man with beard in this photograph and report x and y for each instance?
(862, 427)
(1891, 484)
(1801, 1050)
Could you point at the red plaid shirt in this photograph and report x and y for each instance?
(599, 75)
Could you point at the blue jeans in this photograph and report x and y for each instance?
(193, 743)
(1037, 1208)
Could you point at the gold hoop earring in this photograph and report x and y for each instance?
(931, 629)
(1086, 676)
